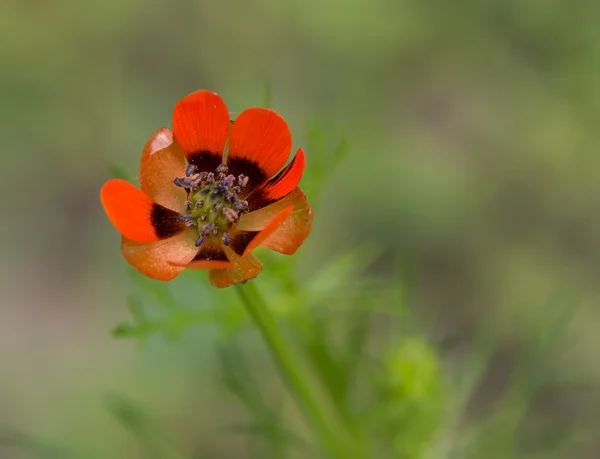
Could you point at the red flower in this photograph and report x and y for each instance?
(209, 194)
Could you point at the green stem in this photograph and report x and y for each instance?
(326, 427)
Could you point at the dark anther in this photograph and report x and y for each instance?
(203, 217)
(230, 215)
(195, 181)
(243, 180)
(208, 228)
(199, 204)
(191, 169)
(185, 218)
(226, 238)
(184, 183)
(217, 206)
(203, 175)
(229, 180)
(188, 204)
(210, 178)
(228, 195)
(222, 169)
(199, 241)
(242, 205)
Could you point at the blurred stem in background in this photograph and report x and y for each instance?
(320, 416)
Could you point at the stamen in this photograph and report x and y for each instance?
(230, 180)
(208, 228)
(241, 205)
(195, 181)
(243, 180)
(212, 203)
(191, 169)
(226, 238)
(188, 219)
(230, 215)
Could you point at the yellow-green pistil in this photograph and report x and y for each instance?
(212, 204)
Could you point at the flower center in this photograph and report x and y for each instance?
(212, 205)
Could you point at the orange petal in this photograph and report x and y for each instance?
(158, 260)
(211, 255)
(135, 215)
(280, 185)
(259, 145)
(163, 161)
(243, 242)
(201, 126)
(290, 234)
(208, 264)
(243, 269)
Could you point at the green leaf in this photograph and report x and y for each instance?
(124, 330)
(237, 377)
(339, 274)
(147, 432)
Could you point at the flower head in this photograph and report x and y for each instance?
(212, 191)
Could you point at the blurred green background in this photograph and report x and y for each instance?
(473, 129)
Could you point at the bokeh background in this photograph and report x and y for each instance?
(473, 133)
